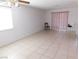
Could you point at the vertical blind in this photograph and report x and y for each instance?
(59, 21)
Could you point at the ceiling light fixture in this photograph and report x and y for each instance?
(15, 3)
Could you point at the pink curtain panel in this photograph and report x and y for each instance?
(59, 21)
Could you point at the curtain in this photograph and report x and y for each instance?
(59, 21)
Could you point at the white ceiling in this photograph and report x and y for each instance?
(50, 4)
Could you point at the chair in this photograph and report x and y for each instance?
(46, 26)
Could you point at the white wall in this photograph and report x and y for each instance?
(26, 20)
(73, 17)
(30, 20)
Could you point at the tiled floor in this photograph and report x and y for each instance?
(43, 45)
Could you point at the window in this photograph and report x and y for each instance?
(5, 18)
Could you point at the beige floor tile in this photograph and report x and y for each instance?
(34, 56)
(43, 45)
(72, 57)
(45, 57)
(51, 52)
